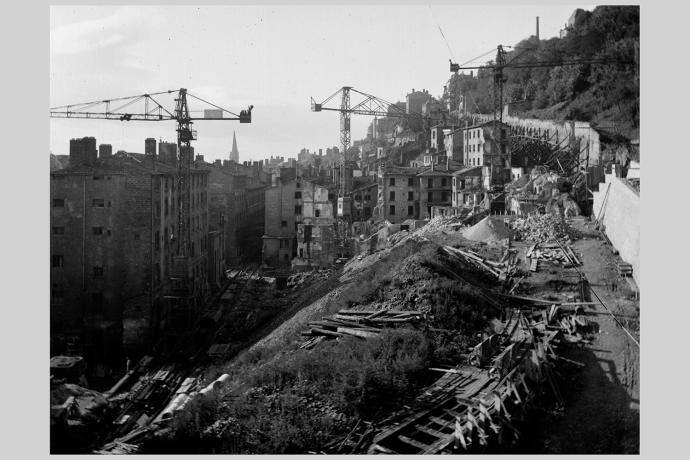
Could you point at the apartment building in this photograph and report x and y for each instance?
(114, 233)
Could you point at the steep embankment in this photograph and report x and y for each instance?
(283, 399)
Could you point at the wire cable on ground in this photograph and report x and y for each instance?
(595, 294)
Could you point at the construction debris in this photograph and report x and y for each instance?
(471, 406)
(488, 230)
(543, 227)
(364, 324)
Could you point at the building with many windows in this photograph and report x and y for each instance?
(477, 146)
(114, 233)
(398, 194)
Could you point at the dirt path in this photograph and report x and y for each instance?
(602, 409)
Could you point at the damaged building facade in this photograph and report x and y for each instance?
(317, 231)
(287, 206)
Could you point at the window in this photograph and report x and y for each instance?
(410, 210)
(410, 196)
(444, 196)
(367, 211)
(97, 230)
(283, 223)
(97, 302)
(430, 183)
(503, 148)
(298, 185)
(98, 272)
(430, 196)
(166, 207)
(317, 213)
(97, 177)
(57, 261)
(58, 203)
(157, 243)
(391, 181)
(503, 134)
(444, 182)
(298, 194)
(331, 196)
(392, 196)
(298, 209)
(57, 297)
(58, 230)
(410, 182)
(98, 203)
(367, 197)
(358, 197)
(391, 210)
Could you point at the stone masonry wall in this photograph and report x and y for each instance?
(621, 216)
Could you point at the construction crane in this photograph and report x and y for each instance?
(183, 287)
(517, 62)
(371, 105)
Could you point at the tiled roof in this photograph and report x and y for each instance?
(465, 169)
(400, 170)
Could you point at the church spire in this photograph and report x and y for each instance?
(234, 154)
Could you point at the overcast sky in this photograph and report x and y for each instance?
(273, 57)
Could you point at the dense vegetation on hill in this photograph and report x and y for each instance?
(598, 93)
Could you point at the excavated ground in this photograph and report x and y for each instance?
(601, 411)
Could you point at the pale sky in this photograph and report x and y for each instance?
(273, 57)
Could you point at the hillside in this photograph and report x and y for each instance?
(607, 95)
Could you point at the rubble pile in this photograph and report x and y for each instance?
(543, 228)
(488, 230)
(439, 222)
(395, 238)
(299, 279)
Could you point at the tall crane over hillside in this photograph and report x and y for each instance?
(519, 61)
(371, 105)
(183, 287)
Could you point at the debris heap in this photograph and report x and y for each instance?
(488, 230)
(439, 222)
(542, 228)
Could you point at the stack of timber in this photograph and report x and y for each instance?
(553, 252)
(364, 324)
(501, 270)
(117, 448)
(471, 406)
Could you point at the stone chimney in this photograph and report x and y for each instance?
(105, 150)
(217, 162)
(199, 157)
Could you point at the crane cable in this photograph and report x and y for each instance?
(453, 57)
(439, 29)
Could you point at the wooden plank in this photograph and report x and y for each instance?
(444, 423)
(427, 430)
(319, 331)
(357, 332)
(413, 442)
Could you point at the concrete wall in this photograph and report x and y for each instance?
(621, 216)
